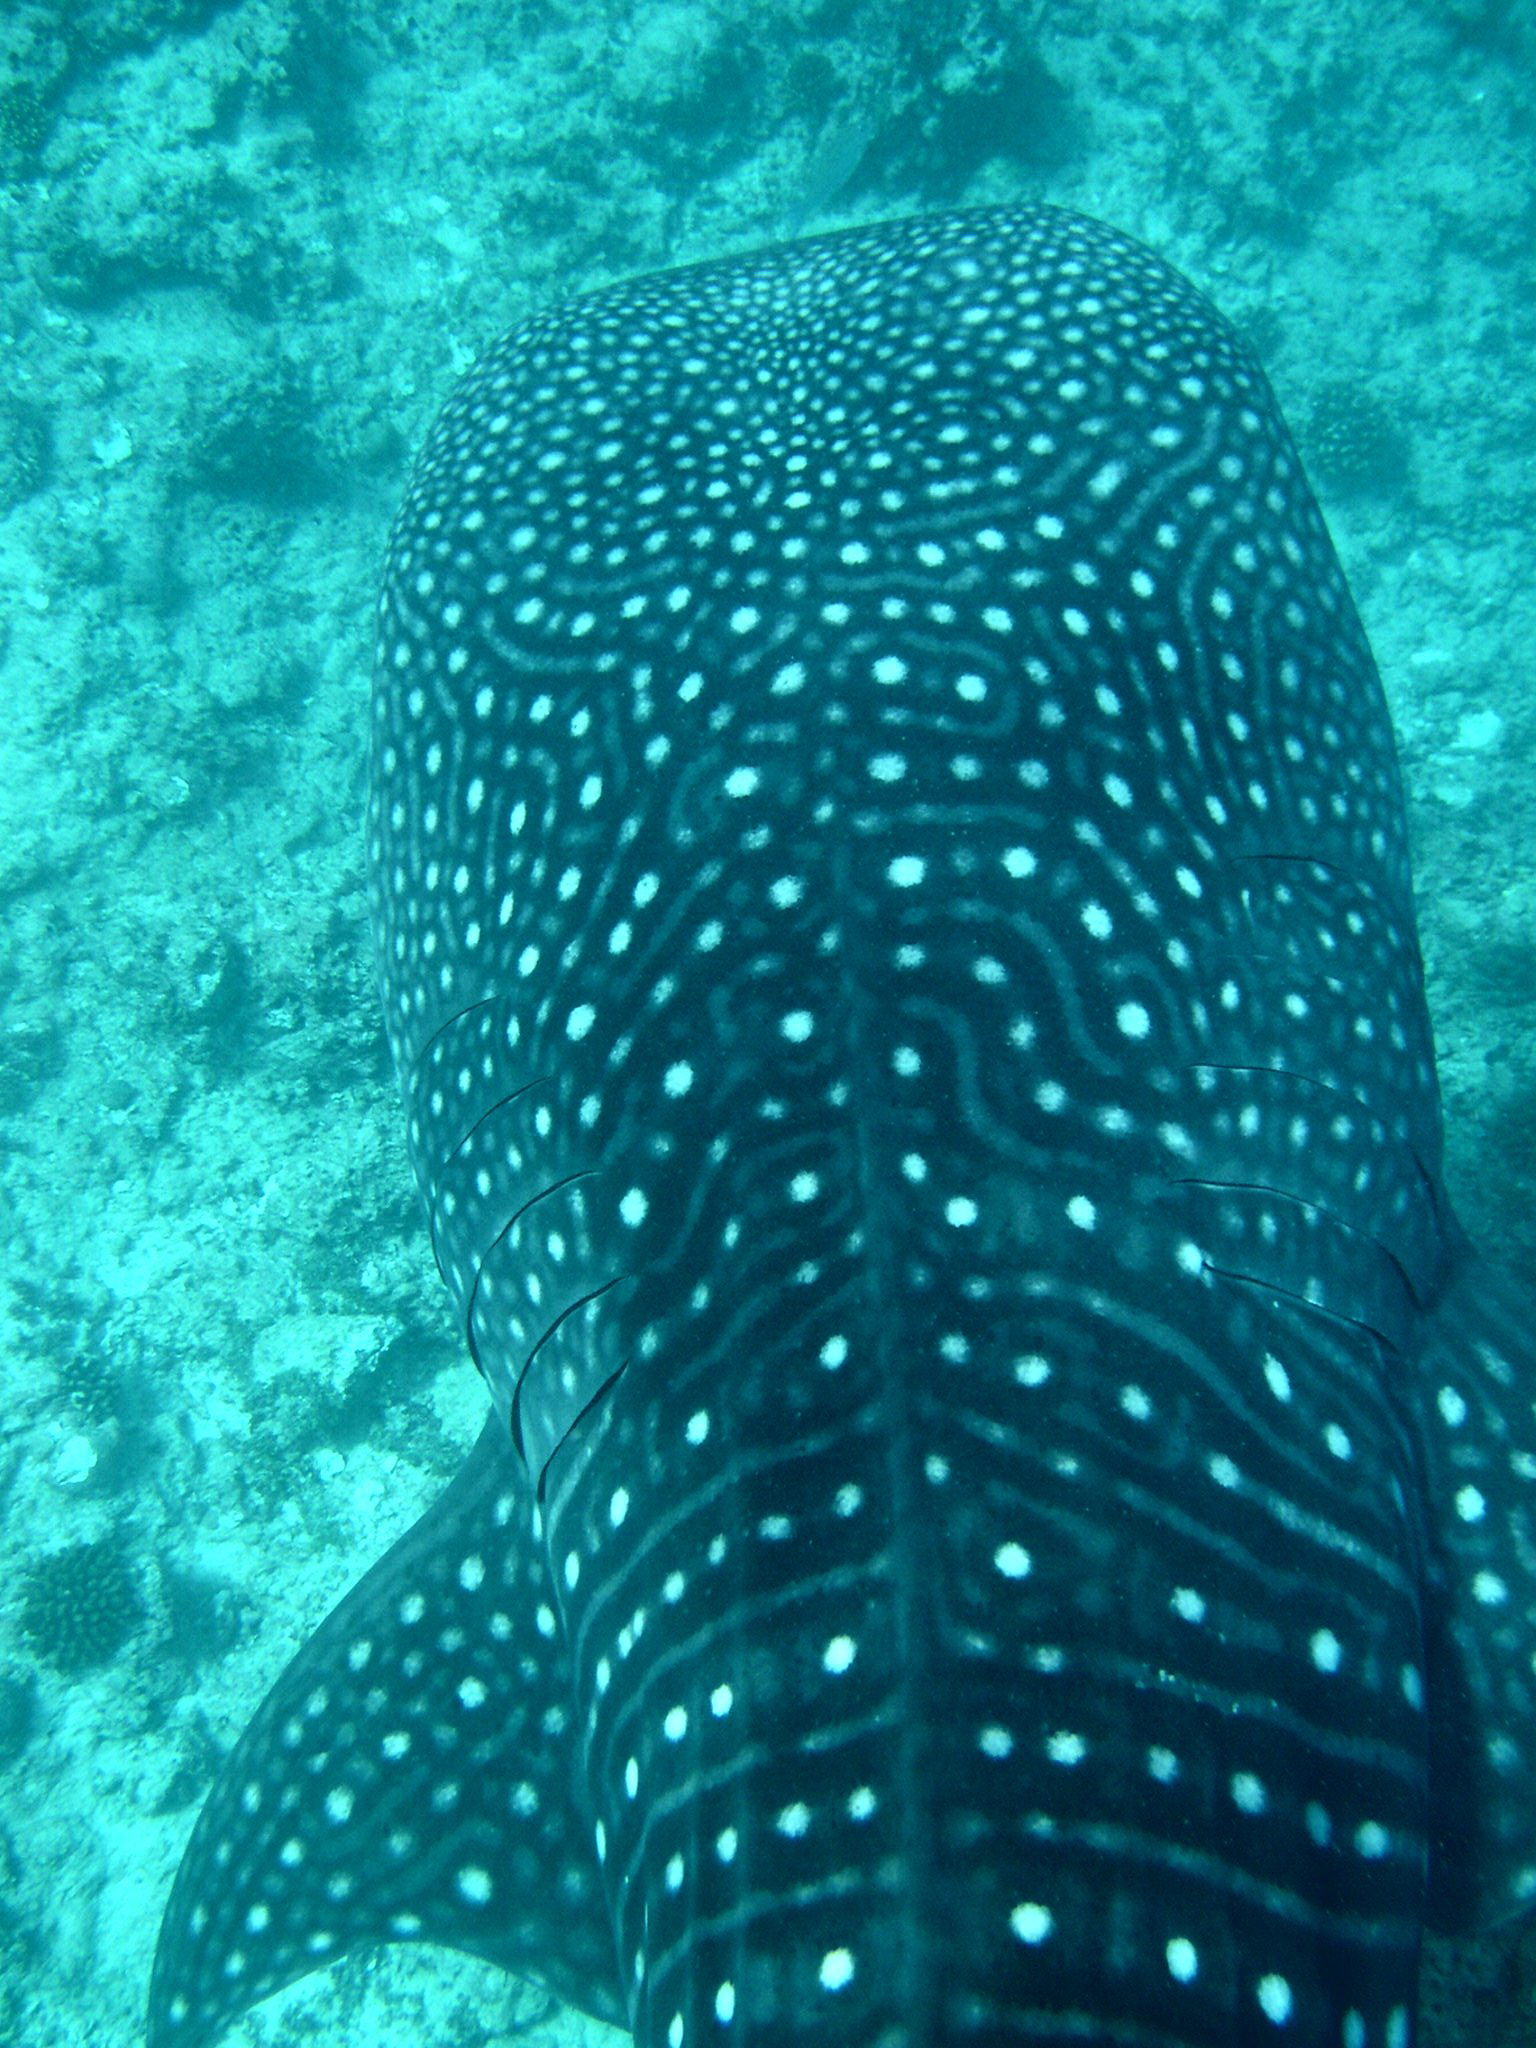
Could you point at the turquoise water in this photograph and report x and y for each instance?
(246, 250)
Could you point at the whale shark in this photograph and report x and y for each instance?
(1005, 1513)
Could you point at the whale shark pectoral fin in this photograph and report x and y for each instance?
(1476, 1385)
(409, 1777)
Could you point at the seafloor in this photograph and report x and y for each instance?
(246, 248)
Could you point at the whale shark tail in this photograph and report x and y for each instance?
(402, 1781)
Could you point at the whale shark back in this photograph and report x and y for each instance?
(1005, 1517)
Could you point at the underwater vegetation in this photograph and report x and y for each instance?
(24, 123)
(91, 1386)
(1352, 442)
(80, 1605)
(26, 452)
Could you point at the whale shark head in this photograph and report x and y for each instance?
(1005, 1512)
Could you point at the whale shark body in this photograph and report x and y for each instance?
(1006, 1515)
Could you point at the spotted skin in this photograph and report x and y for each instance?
(1006, 1515)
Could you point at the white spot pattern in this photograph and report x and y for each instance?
(666, 898)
